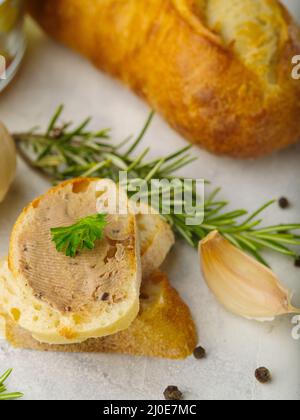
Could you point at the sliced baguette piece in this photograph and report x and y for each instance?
(63, 300)
(156, 239)
(164, 328)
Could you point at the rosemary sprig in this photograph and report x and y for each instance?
(63, 152)
(3, 395)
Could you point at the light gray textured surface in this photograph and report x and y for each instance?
(52, 75)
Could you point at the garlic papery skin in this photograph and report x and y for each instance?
(8, 161)
(241, 284)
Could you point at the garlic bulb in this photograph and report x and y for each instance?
(8, 161)
(240, 283)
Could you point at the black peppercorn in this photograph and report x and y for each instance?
(284, 203)
(199, 353)
(297, 262)
(173, 393)
(263, 375)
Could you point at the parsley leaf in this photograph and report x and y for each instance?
(81, 235)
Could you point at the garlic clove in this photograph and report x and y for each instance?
(241, 284)
(8, 161)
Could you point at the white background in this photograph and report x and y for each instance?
(52, 75)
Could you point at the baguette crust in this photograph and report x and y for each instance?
(211, 94)
(164, 328)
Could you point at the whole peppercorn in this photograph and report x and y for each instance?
(284, 203)
(105, 297)
(297, 262)
(199, 353)
(263, 375)
(173, 393)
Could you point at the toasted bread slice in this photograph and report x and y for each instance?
(63, 300)
(156, 239)
(164, 328)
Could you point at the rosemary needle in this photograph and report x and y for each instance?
(12, 396)
(7, 396)
(63, 152)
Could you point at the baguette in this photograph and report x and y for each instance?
(164, 328)
(68, 300)
(36, 296)
(218, 71)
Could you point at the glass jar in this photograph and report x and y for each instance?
(12, 40)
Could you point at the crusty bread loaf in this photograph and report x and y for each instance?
(219, 71)
(163, 328)
(68, 300)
